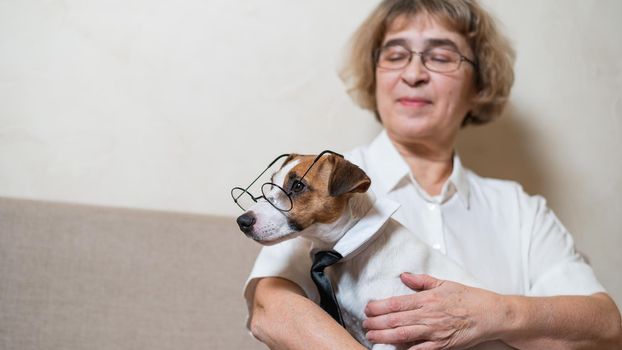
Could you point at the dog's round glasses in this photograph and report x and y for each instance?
(271, 192)
(277, 196)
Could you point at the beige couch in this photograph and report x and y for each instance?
(84, 277)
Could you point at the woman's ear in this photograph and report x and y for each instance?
(346, 177)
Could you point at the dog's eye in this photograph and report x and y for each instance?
(298, 186)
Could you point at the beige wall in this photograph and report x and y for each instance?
(166, 105)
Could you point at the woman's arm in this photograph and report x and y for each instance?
(447, 315)
(284, 318)
(563, 322)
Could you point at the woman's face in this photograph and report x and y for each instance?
(417, 105)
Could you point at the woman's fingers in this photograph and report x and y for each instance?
(394, 304)
(399, 335)
(404, 302)
(391, 320)
(420, 282)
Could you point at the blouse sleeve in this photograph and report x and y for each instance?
(554, 266)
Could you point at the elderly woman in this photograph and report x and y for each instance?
(427, 68)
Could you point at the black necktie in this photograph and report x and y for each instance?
(328, 302)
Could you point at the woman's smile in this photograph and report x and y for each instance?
(414, 102)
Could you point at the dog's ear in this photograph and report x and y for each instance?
(346, 178)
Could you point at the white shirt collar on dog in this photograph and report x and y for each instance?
(366, 228)
(395, 170)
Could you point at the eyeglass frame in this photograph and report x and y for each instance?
(463, 58)
(288, 194)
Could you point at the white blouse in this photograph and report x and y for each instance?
(510, 241)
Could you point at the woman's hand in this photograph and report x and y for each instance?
(443, 315)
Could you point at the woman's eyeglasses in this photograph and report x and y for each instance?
(435, 59)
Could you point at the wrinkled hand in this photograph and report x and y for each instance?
(443, 315)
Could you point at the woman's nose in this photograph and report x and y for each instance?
(415, 72)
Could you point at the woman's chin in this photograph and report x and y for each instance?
(411, 129)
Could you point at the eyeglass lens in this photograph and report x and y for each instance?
(276, 196)
(242, 198)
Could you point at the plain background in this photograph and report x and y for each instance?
(168, 104)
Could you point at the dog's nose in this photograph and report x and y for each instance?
(246, 222)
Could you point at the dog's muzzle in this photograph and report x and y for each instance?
(246, 222)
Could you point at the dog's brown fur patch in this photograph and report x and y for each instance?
(316, 204)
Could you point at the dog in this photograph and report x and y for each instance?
(322, 199)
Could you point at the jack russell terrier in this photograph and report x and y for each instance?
(324, 199)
